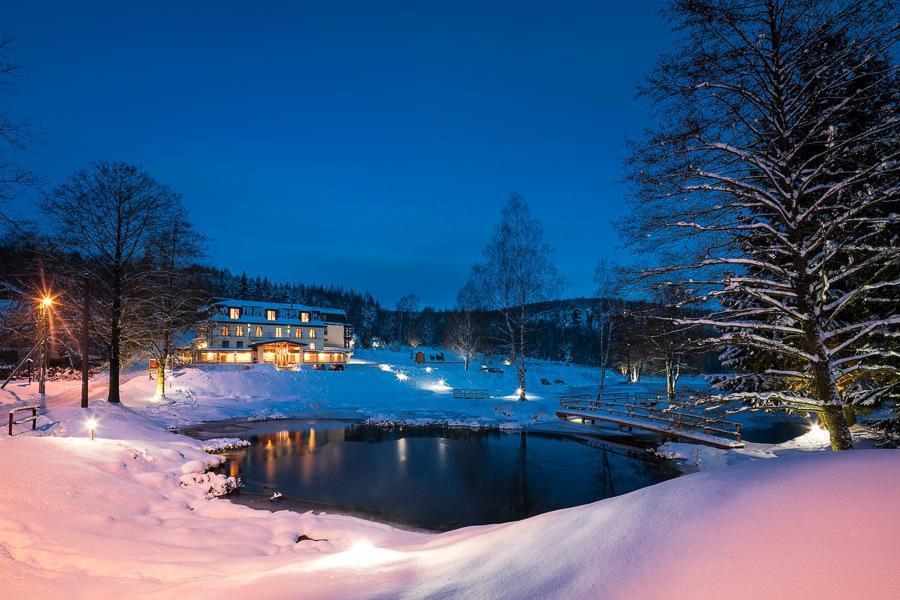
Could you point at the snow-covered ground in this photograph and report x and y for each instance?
(132, 512)
(380, 385)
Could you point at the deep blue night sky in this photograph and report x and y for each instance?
(361, 144)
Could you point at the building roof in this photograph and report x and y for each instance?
(235, 302)
(225, 319)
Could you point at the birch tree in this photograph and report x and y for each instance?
(769, 191)
(518, 270)
(610, 309)
(175, 293)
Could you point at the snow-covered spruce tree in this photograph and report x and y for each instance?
(518, 270)
(769, 191)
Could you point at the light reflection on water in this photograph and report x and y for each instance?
(438, 478)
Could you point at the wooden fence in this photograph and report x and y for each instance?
(32, 418)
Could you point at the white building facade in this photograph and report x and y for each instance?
(284, 334)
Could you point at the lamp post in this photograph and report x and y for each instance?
(44, 316)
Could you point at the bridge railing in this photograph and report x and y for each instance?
(471, 393)
(677, 419)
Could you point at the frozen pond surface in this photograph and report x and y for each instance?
(433, 477)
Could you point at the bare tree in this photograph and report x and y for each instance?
(463, 334)
(407, 306)
(518, 270)
(175, 293)
(112, 214)
(609, 309)
(769, 191)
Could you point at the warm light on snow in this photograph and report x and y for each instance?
(818, 433)
(385, 367)
(361, 554)
(90, 424)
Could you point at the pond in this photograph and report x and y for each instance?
(433, 477)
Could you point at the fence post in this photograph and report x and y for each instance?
(34, 418)
(10, 422)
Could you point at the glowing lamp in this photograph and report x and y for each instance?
(819, 433)
(519, 391)
(428, 369)
(90, 424)
(46, 301)
(402, 376)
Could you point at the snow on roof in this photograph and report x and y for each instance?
(237, 303)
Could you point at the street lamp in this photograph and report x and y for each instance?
(44, 315)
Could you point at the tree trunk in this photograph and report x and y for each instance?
(673, 370)
(114, 354)
(161, 378)
(520, 363)
(836, 423)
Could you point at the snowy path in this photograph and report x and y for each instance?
(70, 395)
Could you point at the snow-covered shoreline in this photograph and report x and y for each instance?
(133, 514)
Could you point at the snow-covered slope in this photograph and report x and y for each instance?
(380, 385)
(124, 517)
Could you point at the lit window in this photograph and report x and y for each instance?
(271, 314)
(304, 317)
(239, 330)
(312, 334)
(298, 333)
(258, 331)
(312, 345)
(234, 313)
(224, 330)
(278, 332)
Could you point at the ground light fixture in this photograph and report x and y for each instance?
(90, 424)
(402, 376)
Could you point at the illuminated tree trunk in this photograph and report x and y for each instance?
(160, 379)
(520, 358)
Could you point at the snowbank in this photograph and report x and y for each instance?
(123, 518)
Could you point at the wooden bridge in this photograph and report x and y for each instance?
(641, 413)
